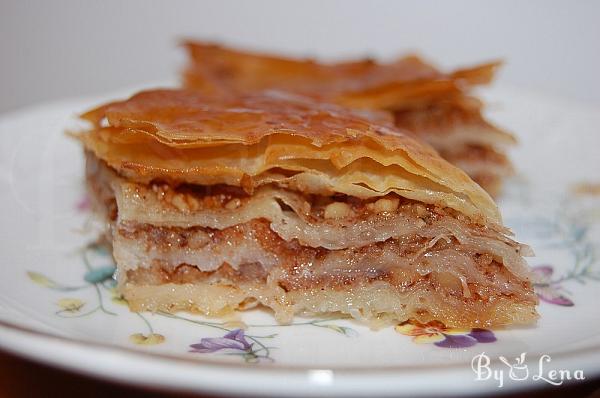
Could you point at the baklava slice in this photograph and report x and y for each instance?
(222, 203)
(438, 107)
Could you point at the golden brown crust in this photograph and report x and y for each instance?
(453, 124)
(186, 137)
(364, 83)
(434, 105)
(186, 119)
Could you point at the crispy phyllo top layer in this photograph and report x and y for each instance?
(180, 136)
(404, 83)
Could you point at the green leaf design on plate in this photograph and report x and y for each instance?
(41, 279)
(341, 329)
(98, 275)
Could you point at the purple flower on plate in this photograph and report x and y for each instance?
(548, 290)
(437, 333)
(482, 335)
(470, 339)
(234, 340)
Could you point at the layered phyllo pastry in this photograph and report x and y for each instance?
(222, 203)
(439, 107)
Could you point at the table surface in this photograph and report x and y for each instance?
(23, 378)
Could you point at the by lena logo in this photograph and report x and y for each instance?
(518, 370)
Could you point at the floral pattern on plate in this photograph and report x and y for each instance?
(435, 332)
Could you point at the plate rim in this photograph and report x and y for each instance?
(345, 384)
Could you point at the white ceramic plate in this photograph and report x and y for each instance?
(57, 303)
